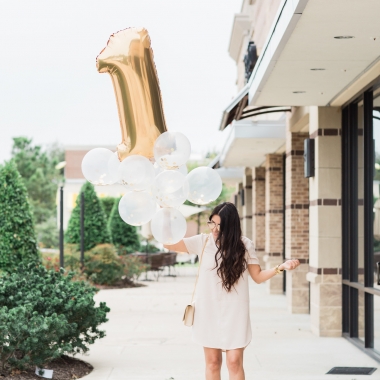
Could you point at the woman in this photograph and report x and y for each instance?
(221, 321)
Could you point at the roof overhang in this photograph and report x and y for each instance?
(250, 141)
(303, 63)
(231, 176)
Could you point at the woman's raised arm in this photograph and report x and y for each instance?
(178, 247)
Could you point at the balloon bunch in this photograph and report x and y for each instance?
(157, 187)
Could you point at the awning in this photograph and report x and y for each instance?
(250, 141)
(238, 110)
(234, 110)
(318, 52)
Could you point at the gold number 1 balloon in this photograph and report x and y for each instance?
(128, 58)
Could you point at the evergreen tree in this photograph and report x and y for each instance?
(124, 236)
(107, 204)
(17, 237)
(95, 222)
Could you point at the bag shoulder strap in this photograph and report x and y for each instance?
(199, 268)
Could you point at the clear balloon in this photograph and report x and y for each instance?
(170, 188)
(183, 169)
(205, 185)
(137, 208)
(172, 150)
(98, 166)
(168, 226)
(158, 169)
(113, 167)
(136, 173)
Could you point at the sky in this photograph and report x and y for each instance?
(51, 91)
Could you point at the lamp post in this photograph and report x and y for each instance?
(82, 230)
(61, 257)
(59, 166)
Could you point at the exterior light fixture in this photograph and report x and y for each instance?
(308, 157)
(299, 92)
(343, 37)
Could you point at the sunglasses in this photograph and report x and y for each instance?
(212, 225)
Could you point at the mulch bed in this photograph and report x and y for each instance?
(65, 368)
(124, 283)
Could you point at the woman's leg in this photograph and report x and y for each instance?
(213, 357)
(235, 364)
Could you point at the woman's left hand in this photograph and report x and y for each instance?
(290, 264)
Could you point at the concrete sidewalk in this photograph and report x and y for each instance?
(146, 339)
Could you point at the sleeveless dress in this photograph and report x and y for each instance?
(221, 318)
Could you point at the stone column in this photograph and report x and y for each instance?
(325, 223)
(274, 219)
(258, 212)
(247, 207)
(297, 223)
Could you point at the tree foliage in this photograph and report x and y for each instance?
(44, 314)
(37, 169)
(107, 204)
(95, 223)
(124, 236)
(17, 237)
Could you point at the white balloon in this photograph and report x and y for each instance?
(172, 150)
(113, 167)
(137, 208)
(168, 226)
(136, 173)
(158, 169)
(98, 166)
(170, 188)
(205, 185)
(183, 170)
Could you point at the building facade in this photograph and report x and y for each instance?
(308, 75)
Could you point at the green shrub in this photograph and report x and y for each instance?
(124, 236)
(72, 265)
(103, 266)
(17, 237)
(44, 314)
(95, 223)
(133, 267)
(50, 261)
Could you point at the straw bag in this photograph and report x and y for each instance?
(188, 316)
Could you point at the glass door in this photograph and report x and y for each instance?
(361, 222)
(376, 211)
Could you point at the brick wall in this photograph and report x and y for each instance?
(258, 212)
(274, 218)
(297, 223)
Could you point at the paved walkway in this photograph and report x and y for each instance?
(146, 339)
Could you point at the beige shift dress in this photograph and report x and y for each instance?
(221, 318)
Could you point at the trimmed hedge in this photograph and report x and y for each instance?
(95, 223)
(124, 236)
(18, 241)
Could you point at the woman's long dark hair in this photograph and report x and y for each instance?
(231, 249)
